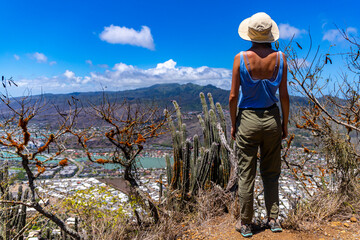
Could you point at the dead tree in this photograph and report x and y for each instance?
(16, 136)
(333, 112)
(128, 127)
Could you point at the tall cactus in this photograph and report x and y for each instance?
(12, 217)
(197, 164)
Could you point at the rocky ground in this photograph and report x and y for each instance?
(223, 227)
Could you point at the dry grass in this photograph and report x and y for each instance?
(210, 204)
(207, 205)
(170, 227)
(95, 228)
(325, 206)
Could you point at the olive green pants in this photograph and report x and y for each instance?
(258, 128)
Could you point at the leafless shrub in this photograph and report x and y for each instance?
(130, 126)
(333, 119)
(16, 136)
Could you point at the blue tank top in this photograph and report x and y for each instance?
(258, 93)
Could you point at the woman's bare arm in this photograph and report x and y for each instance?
(234, 94)
(284, 100)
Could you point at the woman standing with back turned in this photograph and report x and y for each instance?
(255, 117)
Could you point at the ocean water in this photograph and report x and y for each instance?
(142, 162)
(150, 162)
(12, 157)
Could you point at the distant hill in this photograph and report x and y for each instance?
(187, 95)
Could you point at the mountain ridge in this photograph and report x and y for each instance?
(187, 95)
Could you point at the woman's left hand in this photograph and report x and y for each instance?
(233, 132)
(284, 131)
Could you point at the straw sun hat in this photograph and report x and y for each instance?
(259, 28)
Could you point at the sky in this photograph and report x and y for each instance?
(76, 46)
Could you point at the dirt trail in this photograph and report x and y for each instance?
(224, 228)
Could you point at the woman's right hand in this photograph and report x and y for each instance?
(233, 132)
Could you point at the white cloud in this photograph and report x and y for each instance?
(128, 76)
(17, 57)
(40, 57)
(52, 63)
(123, 76)
(103, 65)
(287, 31)
(54, 84)
(170, 64)
(299, 63)
(69, 74)
(331, 35)
(324, 24)
(122, 35)
(351, 30)
(334, 35)
(98, 65)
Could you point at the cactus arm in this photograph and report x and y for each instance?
(234, 166)
(186, 169)
(177, 161)
(222, 118)
(178, 113)
(168, 168)
(211, 101)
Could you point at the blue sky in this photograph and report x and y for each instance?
(66, 46)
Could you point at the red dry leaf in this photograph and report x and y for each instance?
(63, 162)
(102, 161)
(140, 139)
(40, 169)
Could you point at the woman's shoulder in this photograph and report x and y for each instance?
(283, 55)
(237, 58)
(238, 54)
